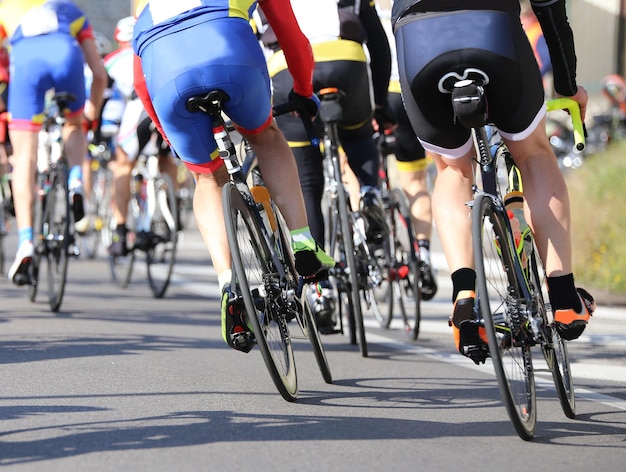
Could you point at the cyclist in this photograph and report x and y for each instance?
(234, 63)
(336, 35)
(50, 40)
(500, 51)
(411, 166)
(135, 131)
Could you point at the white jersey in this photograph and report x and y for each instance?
(318, 19)
(119, 66)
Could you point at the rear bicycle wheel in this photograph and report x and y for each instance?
(56, 236)
(121, 267)
(161, 254)
(498, 285)
(405, 269)
(255, 274)
(348, 256)
(553, 347)
(38, 249)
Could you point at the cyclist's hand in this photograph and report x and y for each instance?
(581, 97)
(311, 104)
(384, 118)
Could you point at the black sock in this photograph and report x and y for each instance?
(121, 230)
(462, 279)
(562, 293)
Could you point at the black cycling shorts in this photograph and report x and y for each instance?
(431, 45)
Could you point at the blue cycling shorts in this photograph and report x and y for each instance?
(193, 58)
(38, 64)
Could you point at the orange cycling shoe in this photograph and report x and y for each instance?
(470, 337)
(569, 323)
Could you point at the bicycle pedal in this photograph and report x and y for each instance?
(321, 275)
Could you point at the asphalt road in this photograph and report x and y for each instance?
(120, 381)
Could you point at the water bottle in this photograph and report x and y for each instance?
(42, 152)
(514, 204)
(262, 195)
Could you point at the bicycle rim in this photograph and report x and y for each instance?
(407, 277)
(253, 266)
(161, 256)
(498, 291)
(56, 239)
(553, 347)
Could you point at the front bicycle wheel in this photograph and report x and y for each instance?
(498, 281)
(55, 235)
(161, 252)
(553, 347)
(256, 278)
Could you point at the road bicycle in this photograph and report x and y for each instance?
(264, 274)
(97, 233)
(361, 268)
(53, 218)
(402, 287)
(152, 226)
(512, 302)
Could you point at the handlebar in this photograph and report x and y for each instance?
(573, 108)
(303, 113)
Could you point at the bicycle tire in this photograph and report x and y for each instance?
(407, 287)
(38, 249)
(498, 281)
(309, 329)
(56, 236)
(553, 347)
(253, 266)
(121, 267)
(161, 255)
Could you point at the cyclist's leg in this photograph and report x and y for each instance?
(547, 203)
(411, 164)
(25, 103)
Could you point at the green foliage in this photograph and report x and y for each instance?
(597, 195)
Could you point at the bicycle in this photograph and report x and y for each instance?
(360, 269)
(98, 207)
(53, 217)
(152, 222)
(264, 273)
(404, 269)
(511, 283)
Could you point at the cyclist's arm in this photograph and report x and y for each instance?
(560, 40)
(99, 82)
(380, 52)
(293, 42)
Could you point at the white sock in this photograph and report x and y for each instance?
(224, 278)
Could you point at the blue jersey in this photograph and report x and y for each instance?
(156, 16)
